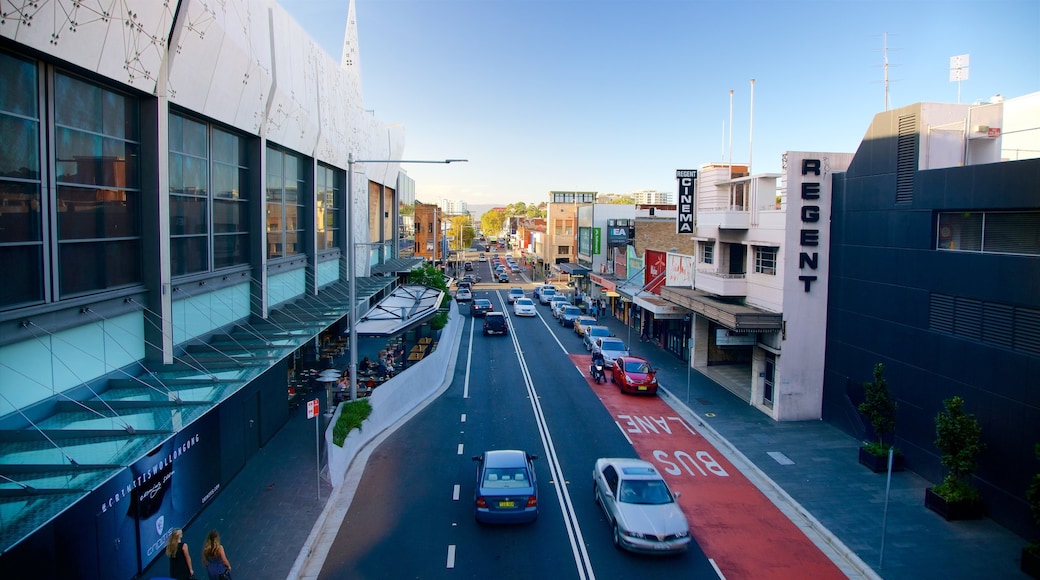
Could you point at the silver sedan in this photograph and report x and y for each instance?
(640, 508)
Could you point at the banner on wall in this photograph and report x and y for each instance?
(687, 179)
(680, 271)
(656, 265)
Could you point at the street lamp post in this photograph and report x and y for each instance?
(351, 250)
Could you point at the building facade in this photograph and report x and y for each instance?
(178, 207)
(431, 243)
(651, 197)
(562, 226)
(935, 259)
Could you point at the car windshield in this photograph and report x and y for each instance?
(571, 310)
(599, 332)
(637, 367)
(644, 491)
(613, 345)
(506, 477)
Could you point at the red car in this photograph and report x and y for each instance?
(634, 375)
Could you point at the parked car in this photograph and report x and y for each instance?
(515, 293)
(524, 307)
(557, 302)
(582, 322)
(480, 307)
(463, 294)
(503, 278)
(506, 489)
(568, 314)
(495, 323)
(514, 268)
(592, 333)
(640, 508)
(538, 290)
(611, 347)
(634, 375)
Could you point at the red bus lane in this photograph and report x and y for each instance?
(733, 522)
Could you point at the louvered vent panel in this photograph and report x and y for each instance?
(906, 159)
(998, 324)
(940, 313)
(968, 320)
(1027, 330)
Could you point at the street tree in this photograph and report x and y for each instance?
(492, 221)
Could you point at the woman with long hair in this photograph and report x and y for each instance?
(177, 552)
(214, 558)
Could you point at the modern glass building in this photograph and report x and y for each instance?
(174, 240)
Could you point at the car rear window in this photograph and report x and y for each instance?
(600, 332)
(506, 477)
(613, 345)
(637, 367)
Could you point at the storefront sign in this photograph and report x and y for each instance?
(680, 271)
(726, 337)
(656, 264)
(687, 179)
(597, 240)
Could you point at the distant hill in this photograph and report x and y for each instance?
(478, 209)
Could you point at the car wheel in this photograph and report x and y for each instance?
(617, 536)
(612, 378)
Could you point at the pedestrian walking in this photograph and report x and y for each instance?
(180, 560)
(214, 558)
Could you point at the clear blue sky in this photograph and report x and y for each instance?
(615, 95)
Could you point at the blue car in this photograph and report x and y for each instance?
(506, 491)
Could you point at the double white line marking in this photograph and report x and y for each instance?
(570, 519)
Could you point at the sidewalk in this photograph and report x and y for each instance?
(815, 469)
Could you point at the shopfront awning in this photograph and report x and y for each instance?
(405, 307)
(732, 316)
(573, 269)
(660, 308)
(396, 266)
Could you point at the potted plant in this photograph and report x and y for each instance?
(1031, 553)
(879, 408)
(958, 437)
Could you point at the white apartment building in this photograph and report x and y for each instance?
(453, 206)
(757, 286)
(651, 197)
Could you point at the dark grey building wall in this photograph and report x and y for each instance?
(884, 272)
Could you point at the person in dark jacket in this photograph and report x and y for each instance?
(180, 560)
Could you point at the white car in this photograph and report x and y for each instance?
(610, 347)
(556, 303)
(642, 511)
(546, 294)
(463, 294)
(524, 307)
(538, 290)
(515, 293)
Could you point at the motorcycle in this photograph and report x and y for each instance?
(597, 372)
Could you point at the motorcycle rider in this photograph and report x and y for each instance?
(598, 366)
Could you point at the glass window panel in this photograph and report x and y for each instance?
(960, 231)
(19, 79)
(225, 147)
(78, 155)
(292, 221)
(93, 266)
(176, 173)
(274, 217)
(23, 284)
(188, 215)
(292, 245)
(77, 103)
(188, 255)
(242, 185)
(19, 147)
(225, 181)
(119, 115)
(196, 178)
(192, 139)
(230, 216)
(230, 250)
(176, 130)
(120, 164)
(274, 244)
(19, 212)
(1013, 233)
(97, 213)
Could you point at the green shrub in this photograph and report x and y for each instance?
(440, 320)
(353, 414)
(958, 437)
(879, 408)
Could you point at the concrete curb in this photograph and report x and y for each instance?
(319, 542)
(847, 560)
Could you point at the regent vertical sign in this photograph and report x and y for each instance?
(687, 179)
